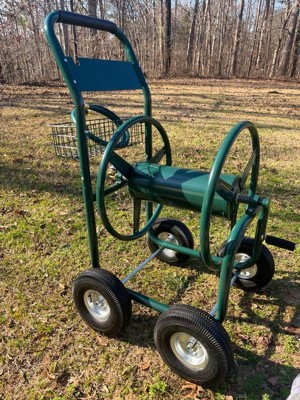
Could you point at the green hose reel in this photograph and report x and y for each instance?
(192, 342)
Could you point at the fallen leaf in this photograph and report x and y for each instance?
(144, 365)
(103, 341)
(273, 380)
(194, 390)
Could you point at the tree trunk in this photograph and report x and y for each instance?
(212, 61)
(201, 40)
(296, 53)
(263, 32)
(276, 52)
(237, 40)
(167, 37)
(65, 30)
(75, 47)
(291, 29)
(102, 9)
(191, 42)
(254, 39)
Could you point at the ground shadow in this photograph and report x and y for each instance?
(253, 374)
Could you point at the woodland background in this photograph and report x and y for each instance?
(207, 38)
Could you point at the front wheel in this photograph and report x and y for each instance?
(194, 345)
(102, 301)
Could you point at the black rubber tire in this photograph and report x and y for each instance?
(265, 267)
(183, 319)
(112, 290)
(181, 233)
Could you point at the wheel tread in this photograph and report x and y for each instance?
(201, 322)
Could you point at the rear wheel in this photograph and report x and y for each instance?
(258, 275)
(175, 232)
(102, 301)
(194, 345)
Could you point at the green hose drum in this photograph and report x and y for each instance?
(178, 187)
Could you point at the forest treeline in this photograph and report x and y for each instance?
(207, 38)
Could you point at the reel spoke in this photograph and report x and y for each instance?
(158, 156)
(120, 164)
(248, 169)
(115, 187)
(137, 205)
(224, 189)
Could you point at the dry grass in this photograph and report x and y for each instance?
(46, 351)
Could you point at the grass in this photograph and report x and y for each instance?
(46, 351)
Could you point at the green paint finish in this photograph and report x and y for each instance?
(148, 301)
(103, 75)
(66, 17)
(245, 127)
(178, 187)
(233, 243)
(110, 156)
(208, 193)
(185, 250)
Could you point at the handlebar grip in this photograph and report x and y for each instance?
(282, 243)
(70, 18)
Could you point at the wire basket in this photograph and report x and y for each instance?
(65, 139)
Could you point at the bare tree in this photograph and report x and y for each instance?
(167, 39)
(191, 42)
(291, 30)
(205, 38)
(236, 45)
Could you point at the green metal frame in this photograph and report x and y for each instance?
(79, 112)
(215, 187)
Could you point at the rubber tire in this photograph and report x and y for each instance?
(203, 327)
(265, 267)
(182, 234)
(114, 292)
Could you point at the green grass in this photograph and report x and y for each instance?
(46, 351)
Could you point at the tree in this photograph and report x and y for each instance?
(191, 42)
(204, 38)
(237, 40)
(167, 39)
(291, 29)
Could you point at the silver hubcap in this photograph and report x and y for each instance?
(97, 305)
(168, 237)
(189, 351)
(246, 273)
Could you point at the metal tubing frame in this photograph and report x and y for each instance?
(142, 265)
(75, 19)
(233, 243)
(240, 227)
(148, 301)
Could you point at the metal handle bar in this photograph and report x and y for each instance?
(93, 23)
(66, 17)
(282, 243)
(70, 18)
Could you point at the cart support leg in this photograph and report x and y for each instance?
(87, 186)
(148, 301)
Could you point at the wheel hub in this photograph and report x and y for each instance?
(168, 237)
(97, 305)
(189, 351)
(246, 273)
